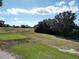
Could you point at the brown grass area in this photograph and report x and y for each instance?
(56, 41)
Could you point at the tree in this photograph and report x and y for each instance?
(1, 23)
(25, 26)
(7, 25)
(0, 2)
(42, 26)
(14, 26)
(63, 23)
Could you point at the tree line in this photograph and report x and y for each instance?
(61, 25)
(2, 24)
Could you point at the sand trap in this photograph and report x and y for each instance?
(6, 55)
(65, 49)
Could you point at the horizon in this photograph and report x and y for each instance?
(30, 12)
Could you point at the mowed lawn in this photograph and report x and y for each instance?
(39, 51)
(11, 36)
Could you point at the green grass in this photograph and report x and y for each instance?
(39, 51)
(11, 36)
(8, 33)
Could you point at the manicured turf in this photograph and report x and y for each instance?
(39, 51)
(11, 36)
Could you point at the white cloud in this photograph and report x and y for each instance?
(16, 11)
(40, 10)
(2, 18)
(18, 21)
(46, 10)
(71, 3)
(60, 3)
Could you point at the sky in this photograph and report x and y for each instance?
(30, 12)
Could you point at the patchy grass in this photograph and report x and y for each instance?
(2, 30)
(36, 50)
(56, 41)
(39, 51)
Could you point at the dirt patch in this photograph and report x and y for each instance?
(5, 54)
(65, 49)
(4, 44)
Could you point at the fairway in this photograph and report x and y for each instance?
(39, 51)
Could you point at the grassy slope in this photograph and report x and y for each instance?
(40, 51)
(36, 50)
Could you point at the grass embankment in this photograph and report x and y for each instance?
(39, 51)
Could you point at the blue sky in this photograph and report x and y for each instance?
(30, 12)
